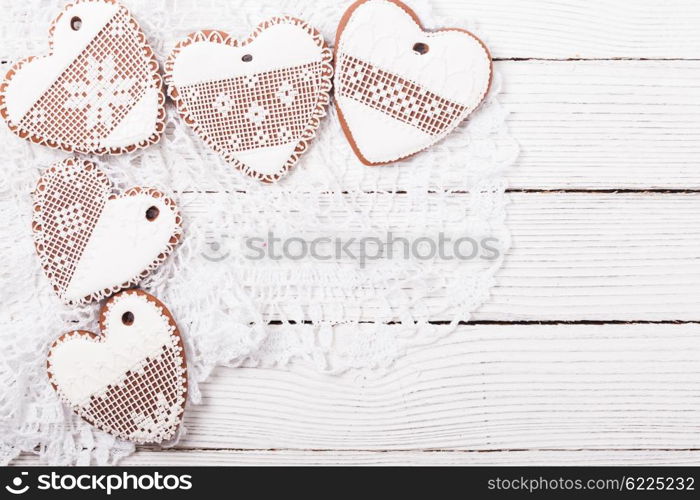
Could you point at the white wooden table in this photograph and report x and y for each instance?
(589, 350)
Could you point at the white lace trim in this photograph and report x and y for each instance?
(220, 306)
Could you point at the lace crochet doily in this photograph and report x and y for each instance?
(335, 315)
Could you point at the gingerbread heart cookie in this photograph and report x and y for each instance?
(92, 242)
(131, 381)
(97, 91)
(258, 101)
(399, 89)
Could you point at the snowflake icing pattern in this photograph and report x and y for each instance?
(101, 80)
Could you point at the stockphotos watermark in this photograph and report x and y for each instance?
(99, 483)
(363, 249)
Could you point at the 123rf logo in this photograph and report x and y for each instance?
(107, 483)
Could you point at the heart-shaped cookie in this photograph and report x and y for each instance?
(256, 102)
(92, 242)
(97, 91)
(399, 89)
(131, 381)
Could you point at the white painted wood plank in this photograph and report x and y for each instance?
(600, 257)
(604, 125)
(574, 256)
(580, 125)
(484, 387)
(173, 458)
(509, 394)
(549, 29)
(591, 125)
(512, 28)
(559, 29)
(594, 29)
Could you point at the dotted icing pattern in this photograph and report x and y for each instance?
(399, 98)
(260, 110)
(69, 199)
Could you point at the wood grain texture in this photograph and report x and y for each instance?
(545, 29)
(577, 389)
(604, 125)
(582, 125)
(573, 394)
(501, 394)
(589, 256)
(576, 256)
(222, 457)
(484, 387)
(596, 29)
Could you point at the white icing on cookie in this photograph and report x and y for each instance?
(92, 243)
(131, 381)
(257, 102)
(400, 89)
(83, 366)
(97, 91)
(122, 244)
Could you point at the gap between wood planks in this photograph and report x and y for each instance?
(591, 322)
(404, 450)
(578, 59)
(514, 190)
(553, 322)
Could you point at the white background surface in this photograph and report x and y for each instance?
(589, 350)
